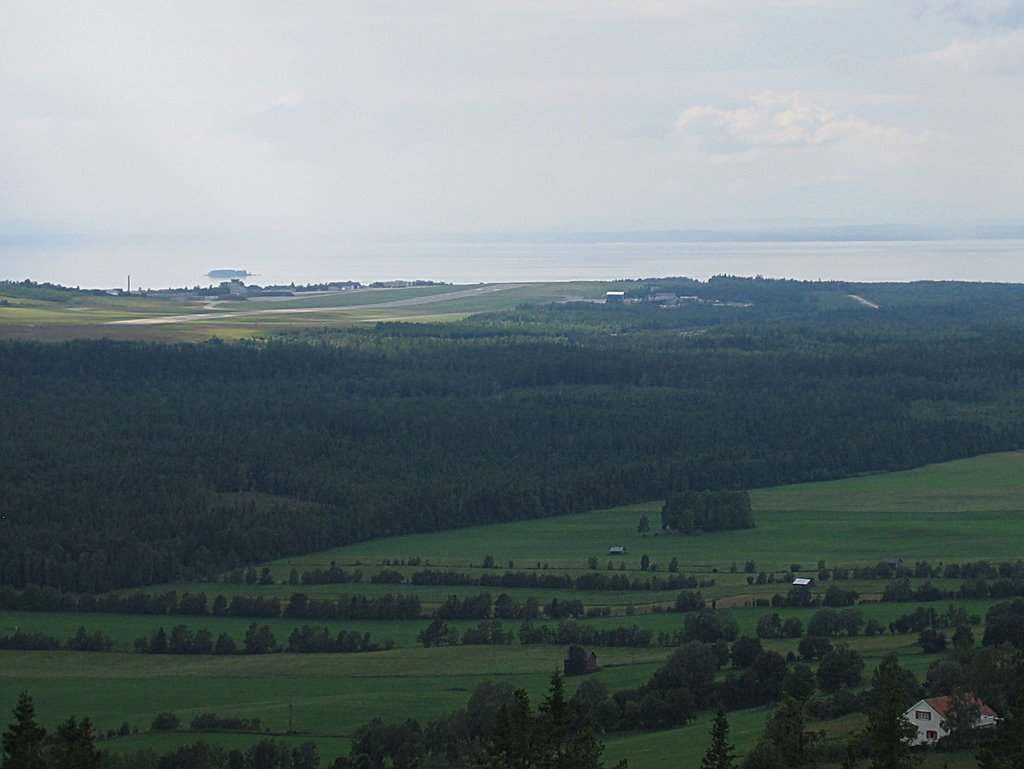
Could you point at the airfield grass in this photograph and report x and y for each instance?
(953, 512)
(346, 298)
(91, 317)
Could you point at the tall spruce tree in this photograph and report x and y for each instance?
(75, 747)
(890, 733)
(1003, 748)
(23, 740)
(512, 744)
(554, 721)
(786, 730)
(547, 740)
(719, 754)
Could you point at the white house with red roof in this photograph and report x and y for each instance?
(929, 717)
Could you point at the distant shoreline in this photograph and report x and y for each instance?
(993, 261)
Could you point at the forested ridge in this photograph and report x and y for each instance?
(139, 463)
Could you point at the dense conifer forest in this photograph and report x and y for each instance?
(131, 463)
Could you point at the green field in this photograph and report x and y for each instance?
(954, 512)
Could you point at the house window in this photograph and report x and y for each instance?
(931, 735)
(922, 715)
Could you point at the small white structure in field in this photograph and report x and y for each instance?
(616, 550)
(930, 718)
(802, 582)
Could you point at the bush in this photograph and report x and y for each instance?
(165, 721)
(841, 668)
(210, 722)
(744, 651)
(689, 600)
(814, 648)
(931, 641)
(792, 628)
(843, 702)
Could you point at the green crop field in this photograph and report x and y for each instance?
(954, 512)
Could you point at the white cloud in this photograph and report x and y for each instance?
(999, 53)
(453, 114)
(982, 13)
(775, 119)
(618, 10)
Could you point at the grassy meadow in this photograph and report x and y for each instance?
(954, 512)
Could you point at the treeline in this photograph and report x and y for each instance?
(704, 625)
(258, 639)
(298, 606)
(694, 512)
(332, 575)
(82, 641)
(148, 475)
(535, 580)
(901, 591)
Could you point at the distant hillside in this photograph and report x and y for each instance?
(118, 456)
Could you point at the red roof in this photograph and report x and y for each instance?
(941, 704)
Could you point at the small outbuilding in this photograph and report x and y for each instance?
(614, 297)
(578, 661)
(616, 550)
(803, 582)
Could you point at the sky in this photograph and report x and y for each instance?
(210, 120)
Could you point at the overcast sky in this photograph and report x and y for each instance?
(321, 119)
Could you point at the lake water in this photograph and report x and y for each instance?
(486, 262)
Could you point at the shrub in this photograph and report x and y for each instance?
(165, 721)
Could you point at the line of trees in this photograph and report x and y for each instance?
(258, 639)
(299, 606)
(533, 580)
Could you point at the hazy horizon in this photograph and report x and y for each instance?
(234, 125)
(527, 260)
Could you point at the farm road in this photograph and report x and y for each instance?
(410, 302)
